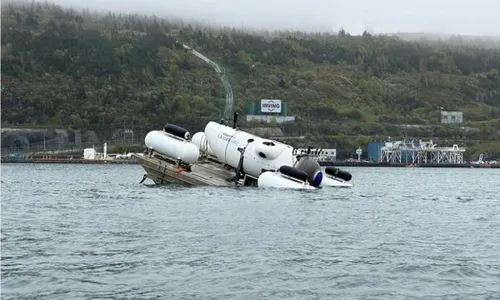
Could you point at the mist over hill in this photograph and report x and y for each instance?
(477, 41)
(100, 70)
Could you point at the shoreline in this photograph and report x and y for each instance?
(403, 165)
(321, 163)
(69, 161)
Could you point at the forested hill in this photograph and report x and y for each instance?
(78, 68)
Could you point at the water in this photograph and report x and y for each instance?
(92, 232)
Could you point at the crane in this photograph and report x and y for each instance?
(228, 110)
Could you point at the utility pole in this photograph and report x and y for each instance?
(359, 152)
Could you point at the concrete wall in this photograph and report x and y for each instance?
(452, 117)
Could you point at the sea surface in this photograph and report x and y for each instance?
(94, 232)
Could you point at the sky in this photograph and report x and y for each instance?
(478, 17)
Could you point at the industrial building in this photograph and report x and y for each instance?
(321, 155)
(452, 117)
(375, 151)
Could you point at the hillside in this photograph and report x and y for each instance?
(84, 70)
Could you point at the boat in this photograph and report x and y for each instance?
(222, 155)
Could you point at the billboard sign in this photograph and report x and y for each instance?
(270, 106)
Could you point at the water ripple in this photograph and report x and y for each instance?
(92, 232)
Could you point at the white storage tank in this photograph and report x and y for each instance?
(89, 153)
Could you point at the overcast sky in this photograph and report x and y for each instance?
(478, 17)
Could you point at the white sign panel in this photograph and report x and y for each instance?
(270, 106)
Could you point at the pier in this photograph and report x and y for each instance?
(421, 153)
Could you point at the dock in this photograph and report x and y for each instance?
(205, 172)
(402, 165)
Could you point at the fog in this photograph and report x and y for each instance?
(479, 17)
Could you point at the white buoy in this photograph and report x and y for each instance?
(329, 181)
(271, 179)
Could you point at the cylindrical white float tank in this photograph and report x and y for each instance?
(276, 180)
(173, 147)
(201, 142)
